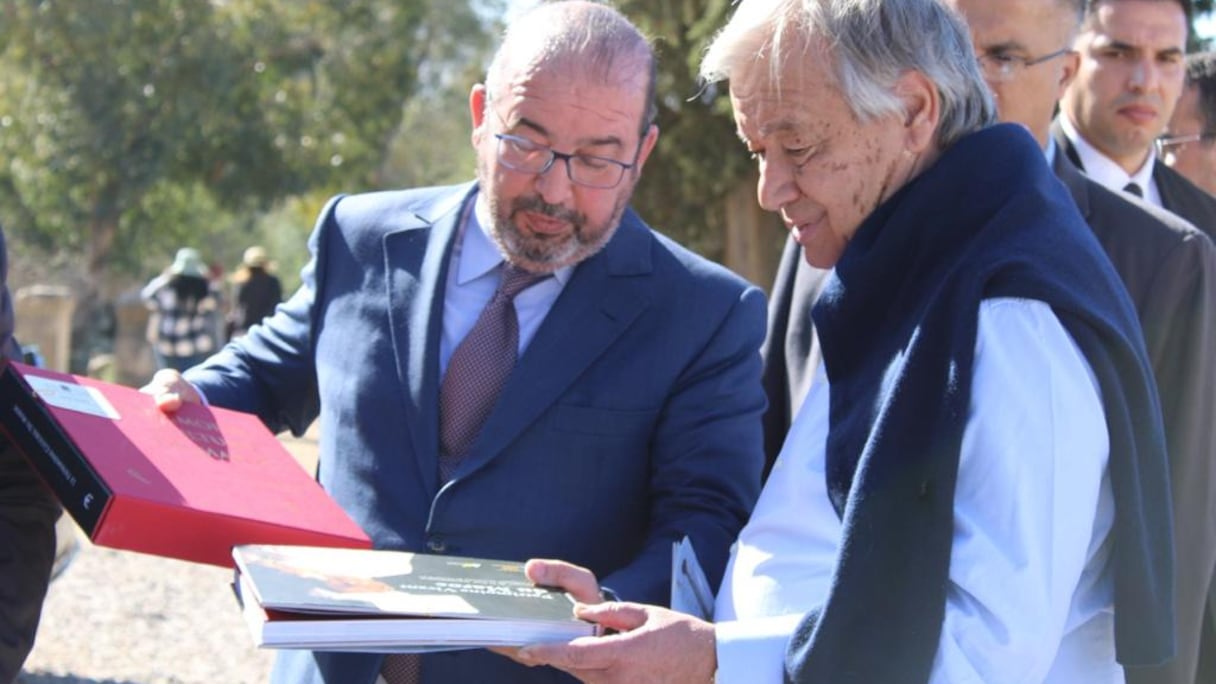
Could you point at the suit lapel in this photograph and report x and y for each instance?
(416, 264)
(1065, 145)
(1075, 181)
(1171, 199)
(603, 298)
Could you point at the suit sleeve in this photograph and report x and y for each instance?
(706, 456)
(27, 527)
(1179, 324)
(270, 372)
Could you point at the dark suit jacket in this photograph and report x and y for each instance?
(631, 420)
(1178, 194)
(791, 350)
(27, 527)
(1170, 273)
(1169, 269)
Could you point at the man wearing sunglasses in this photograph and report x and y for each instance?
(1189, 147)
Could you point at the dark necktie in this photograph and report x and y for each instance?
(478, 369)
(476, 373)
(1134, 189)
(402, 668)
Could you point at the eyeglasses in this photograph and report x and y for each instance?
(1168, 141)
(521, 154)
(1001, 66)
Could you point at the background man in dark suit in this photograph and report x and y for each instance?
(27, 526)
(632, 416)
(1190, 145)
(1127, 85)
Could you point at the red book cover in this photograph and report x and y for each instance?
(189, 485)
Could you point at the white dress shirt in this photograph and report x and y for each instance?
(1109, 174)
(472, 279)
(1031, 593)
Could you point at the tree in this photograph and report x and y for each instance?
(133, 127)
(699, 173)
(117, 114)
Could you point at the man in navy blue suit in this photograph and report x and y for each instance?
(631, 417)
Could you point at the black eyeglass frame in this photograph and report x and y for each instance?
(554, 156)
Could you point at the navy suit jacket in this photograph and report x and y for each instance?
(631, 420)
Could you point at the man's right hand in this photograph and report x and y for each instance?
(169, 390)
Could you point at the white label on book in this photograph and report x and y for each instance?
(73, 397)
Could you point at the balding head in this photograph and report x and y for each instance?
(588, 41)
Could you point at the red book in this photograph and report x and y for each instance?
(189, 485)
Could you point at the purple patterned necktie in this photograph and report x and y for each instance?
(402, 668)
(476, 373)
(478, 369)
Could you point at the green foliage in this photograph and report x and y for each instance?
(131, 127)
(698, 159)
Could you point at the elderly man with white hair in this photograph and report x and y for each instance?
(975, 489)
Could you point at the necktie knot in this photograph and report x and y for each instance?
(1133, 188)
(516, 280)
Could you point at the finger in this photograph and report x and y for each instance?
(162, 381)
(582, 655)
(168, 402)
(579, 582)
(622, 617)
(509, 652)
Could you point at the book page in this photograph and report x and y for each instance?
(689, 589)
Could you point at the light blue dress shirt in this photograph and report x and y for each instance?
(472, 279)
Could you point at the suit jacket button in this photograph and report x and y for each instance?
(436, 544)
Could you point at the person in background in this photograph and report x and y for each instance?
(1127, 85)
(257, 292)
(518, 366)
(27, 526)
(184, 309)
(1189, 146)
(976, 488)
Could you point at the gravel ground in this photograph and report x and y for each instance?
(118, 617)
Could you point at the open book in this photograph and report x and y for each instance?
(382, 601)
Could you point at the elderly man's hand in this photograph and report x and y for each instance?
(169, 390)
(653, 645)
(578, 582)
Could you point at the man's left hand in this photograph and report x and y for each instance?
(653, 645)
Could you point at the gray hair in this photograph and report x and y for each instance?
(872, 43)
(1201, 75)
(593, 38)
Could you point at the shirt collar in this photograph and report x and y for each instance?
(478, 253)
(1100, 167)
